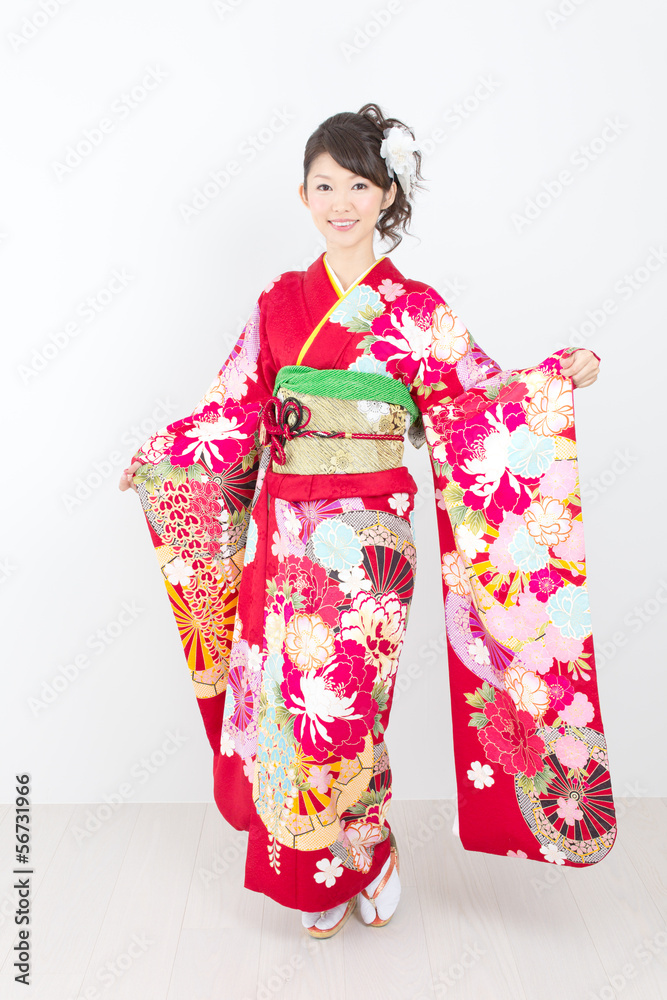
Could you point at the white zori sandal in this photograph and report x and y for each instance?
(377, 908)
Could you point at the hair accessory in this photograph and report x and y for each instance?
(398, 149)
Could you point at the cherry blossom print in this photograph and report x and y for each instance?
(400, 502)
(455, 574)
(178, 572)
(272, 283)
(309, 641)
(352, 581)
(218, 435)
(451, 340)
(517, 854)
(527, 690)
(510, 738)
(564, 648)
(544, 582)
(535, 656)
(328, 871)
(572, 548)
(479, 455)
(320, 778)
(280, 546)
(377, 622)
(390, 289)
(479, 653)
(332, 705)
(561, 690)
(548, 521)
(560, 479)
(551, 410)
(481, 774)
(579, 712)
(568, 810)
(469, 542)
(551, 853)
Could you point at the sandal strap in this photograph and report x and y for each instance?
(385, 878)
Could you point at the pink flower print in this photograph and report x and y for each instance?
(535, 656)
(568, 809)
(560, 479)
(280, 547)
(510, 738)
(579, 712)
(572, 548)
(218, 435)
(320, 778)
(390, 289)
(563, 648)
(517, 854)
(404, 336)
(571, 752)
(561, 690)
(543, 583)
(479, 453)
(332, 705)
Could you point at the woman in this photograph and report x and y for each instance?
(281, 514)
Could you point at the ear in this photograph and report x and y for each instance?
(303, 195)
(389, 196)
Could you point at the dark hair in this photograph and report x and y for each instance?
(354, 141)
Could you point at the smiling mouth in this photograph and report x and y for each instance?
(343, 223)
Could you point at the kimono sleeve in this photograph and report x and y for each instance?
(196, 485)
(532, 769)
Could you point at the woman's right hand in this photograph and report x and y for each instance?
(127, 479)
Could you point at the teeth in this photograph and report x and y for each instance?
(343, 225)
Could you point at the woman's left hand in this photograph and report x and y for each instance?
(581, 366)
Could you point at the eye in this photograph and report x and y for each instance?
(322, 185)
(360, 183)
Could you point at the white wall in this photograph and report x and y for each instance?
(534, 87)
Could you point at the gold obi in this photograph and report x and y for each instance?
(311, 455)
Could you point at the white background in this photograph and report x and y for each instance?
(70, 563)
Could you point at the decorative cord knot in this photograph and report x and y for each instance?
(281, 420)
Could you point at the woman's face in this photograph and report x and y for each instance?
(344, 206)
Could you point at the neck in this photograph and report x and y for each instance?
(349, 263)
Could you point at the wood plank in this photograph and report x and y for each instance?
(468, 945)
(221, 918)
(642, 825)
(75, 893)
(545, 930)
(139, 935)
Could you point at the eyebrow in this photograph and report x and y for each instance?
(326, 176)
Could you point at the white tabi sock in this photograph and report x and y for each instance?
(388, 899)
(327, 918)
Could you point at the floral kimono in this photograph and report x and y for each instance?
(282, 519)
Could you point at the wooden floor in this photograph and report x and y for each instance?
(151, 906)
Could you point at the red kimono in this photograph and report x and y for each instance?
(281, 515)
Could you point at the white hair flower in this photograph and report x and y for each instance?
(398, 149)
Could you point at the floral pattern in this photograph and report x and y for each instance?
(291, 596)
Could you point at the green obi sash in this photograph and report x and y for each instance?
(342, 383)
